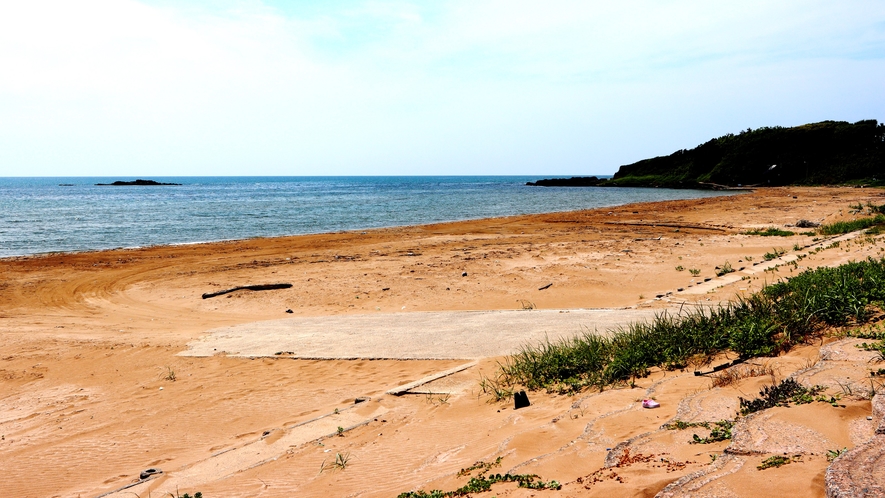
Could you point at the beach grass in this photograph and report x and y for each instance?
(771, 232)
(766, 323)
(841, 227)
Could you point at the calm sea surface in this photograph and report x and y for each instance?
(38, 215)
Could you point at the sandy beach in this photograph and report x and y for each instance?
(112, 363)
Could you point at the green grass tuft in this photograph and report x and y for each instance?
(765, 323)
(771, 232)
(841, 227)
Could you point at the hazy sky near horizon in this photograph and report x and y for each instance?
(460, 87)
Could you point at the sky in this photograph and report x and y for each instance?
(460, 87)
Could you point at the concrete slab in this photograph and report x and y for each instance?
(416, 335)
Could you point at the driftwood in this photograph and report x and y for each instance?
(717, 368)
(247, 287)
(546, 286)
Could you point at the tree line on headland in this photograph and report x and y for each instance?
(824, 153)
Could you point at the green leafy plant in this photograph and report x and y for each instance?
(787, 392)
(834, 454)
(774, 254)
(719, 431)
(876, 332)
(771, 232)
(774, 461)
(877, 347)
(482, 482)
(694, 272)
(483, 467)
(680, 268)
(875, 209)
(724, 269)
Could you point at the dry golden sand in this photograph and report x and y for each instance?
(88, 343)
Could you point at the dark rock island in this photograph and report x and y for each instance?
(575, 181)
(139, 183)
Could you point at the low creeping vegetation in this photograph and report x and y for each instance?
(771, 232)
(787, 392)
(774, 254)
(834, 454)
(481, 482)
(876, 333)
(872, 332)
(775, 461)
(719, 431)
(766, 323)
(877, 347)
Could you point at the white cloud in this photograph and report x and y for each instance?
(96, 86)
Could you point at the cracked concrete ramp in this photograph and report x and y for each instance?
(416, 335)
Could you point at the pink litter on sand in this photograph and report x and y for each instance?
(650, 403)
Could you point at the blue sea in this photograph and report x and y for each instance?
(42, 215)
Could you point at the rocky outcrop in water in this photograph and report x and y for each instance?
(139, 183)
(575, 181)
